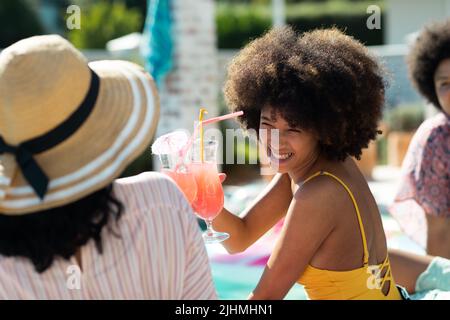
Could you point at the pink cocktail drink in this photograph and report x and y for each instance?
(209, 200)
(185, 181)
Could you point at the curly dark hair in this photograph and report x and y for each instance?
(45, 235)
(430, 48)
(322, 80)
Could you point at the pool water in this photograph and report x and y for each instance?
(235, 282)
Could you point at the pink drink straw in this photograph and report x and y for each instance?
(225, 117)
(183, 151)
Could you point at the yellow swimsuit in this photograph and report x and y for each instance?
(361, 283)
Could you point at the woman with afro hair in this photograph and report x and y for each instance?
(323, 93)
(422, 204)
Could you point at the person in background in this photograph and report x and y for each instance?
(422, 203)
(68, 228)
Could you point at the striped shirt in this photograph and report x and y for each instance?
(155, 251)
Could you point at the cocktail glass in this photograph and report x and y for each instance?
(210, 198)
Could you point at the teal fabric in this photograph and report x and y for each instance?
(434, 283)
(157, 47)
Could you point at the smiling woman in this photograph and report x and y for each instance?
(323, 93)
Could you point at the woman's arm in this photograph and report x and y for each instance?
(268, 208)
(438, 236)
(407, 267)
(309, 222)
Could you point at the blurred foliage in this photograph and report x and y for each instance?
(405, 118)
(382, 151)
(142, 163)
(241, 173)
(103, 21)
(235, 28)
(238, 23)
(286, 1)
(139, 5)
(18, 20)
(243, 149)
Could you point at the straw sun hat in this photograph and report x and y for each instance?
(67, 128)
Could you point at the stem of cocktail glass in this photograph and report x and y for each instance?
(209, 228)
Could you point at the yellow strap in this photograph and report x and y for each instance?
(361, 227)
(387, 275)
(312, 176)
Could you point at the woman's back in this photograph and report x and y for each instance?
(352, 262)
(346, 237)
(154, 251)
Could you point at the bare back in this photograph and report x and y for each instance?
(343, 248)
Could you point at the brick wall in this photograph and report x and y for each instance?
(193, 82)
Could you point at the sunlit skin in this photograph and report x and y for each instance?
(442, 84)
(300, 145)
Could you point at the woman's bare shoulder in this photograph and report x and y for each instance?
(323, 194)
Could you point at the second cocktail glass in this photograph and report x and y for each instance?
(170, 149)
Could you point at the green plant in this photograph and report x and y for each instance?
(406, 118)
(104, 21)
(141, 164)
(239, 23)
(236, 25)
(18, 20)
(382, 151)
